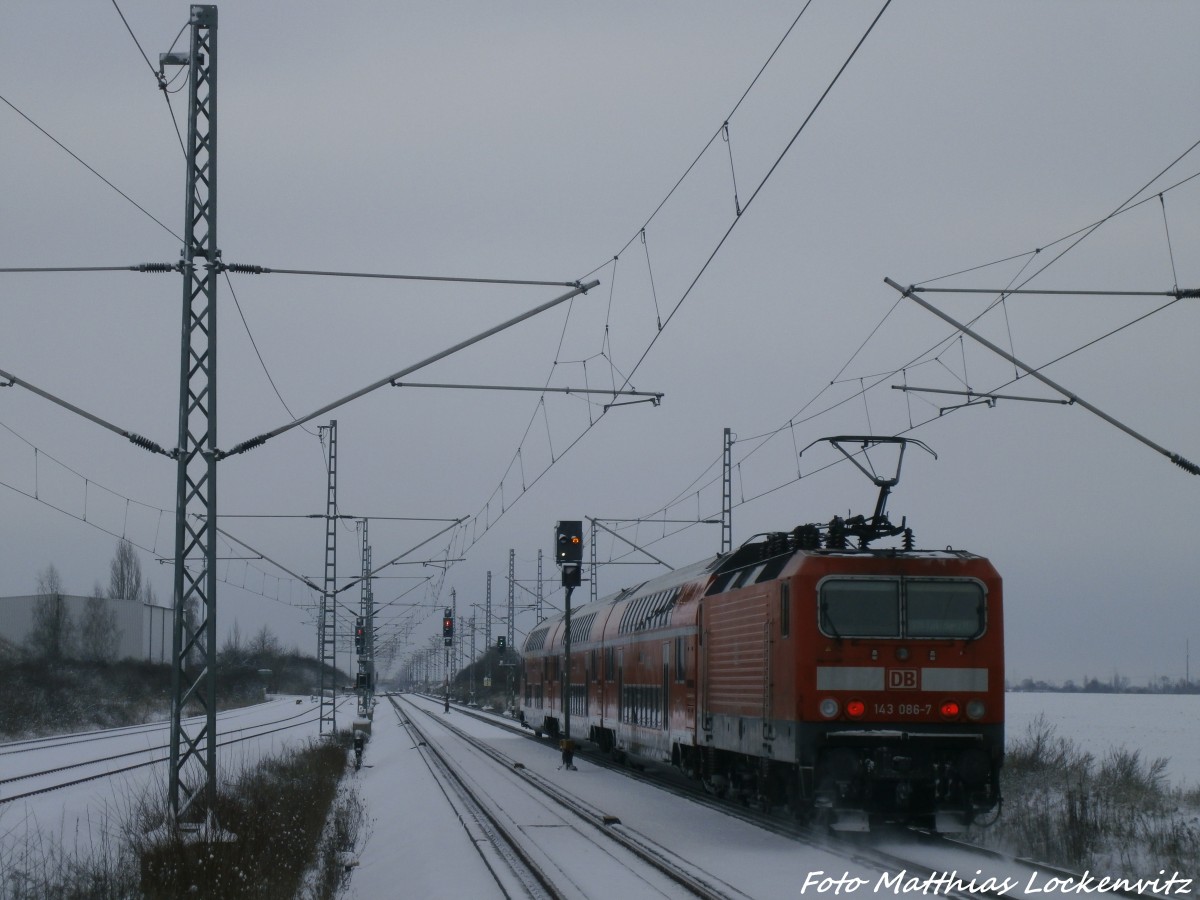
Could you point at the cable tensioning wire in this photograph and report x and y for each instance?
(1066, 237)
(74, 156)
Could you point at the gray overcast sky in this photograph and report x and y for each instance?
(533, 141)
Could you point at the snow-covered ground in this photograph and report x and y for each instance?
(416, 847)
(415, 844)
(1158, 725)
(82, 816)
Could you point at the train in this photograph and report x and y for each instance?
(813, 670)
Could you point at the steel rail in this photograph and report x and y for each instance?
(529, 873)
(641, 846)
(811, 835)
(141, 765)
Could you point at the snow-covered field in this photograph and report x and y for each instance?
(1157, 725)
(405, 832)
(84, 815)
(409, 833)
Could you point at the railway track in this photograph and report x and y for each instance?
(907, 860)
(563, 846)
(46, 779)
(55, 741)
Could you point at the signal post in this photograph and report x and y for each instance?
(568, 553)
(448, 641)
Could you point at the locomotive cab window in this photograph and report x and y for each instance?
(860, 608)
(944, 609)
(904, 607)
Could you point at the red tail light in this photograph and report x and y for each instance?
(855, 709)
(951, 709)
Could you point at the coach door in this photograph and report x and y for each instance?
(620, 685)
(666, 686)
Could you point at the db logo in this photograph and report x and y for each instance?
(902, 679)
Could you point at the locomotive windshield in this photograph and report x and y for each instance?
(901, 607)
(858, 608)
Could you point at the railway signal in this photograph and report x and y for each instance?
(568, 542)
(359, 635)
(501, 644)
(448, 627)
(568, 553)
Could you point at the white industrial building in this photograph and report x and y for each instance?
(143, 629)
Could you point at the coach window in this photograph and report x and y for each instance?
(944, 609)
(680, 661)
(860, 607)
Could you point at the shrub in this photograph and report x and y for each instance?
(280, 812)
(276, 813)
(1062, 807)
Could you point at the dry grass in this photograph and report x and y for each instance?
(289, 820)
(1063, 806)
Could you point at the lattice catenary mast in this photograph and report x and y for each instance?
(191, 787)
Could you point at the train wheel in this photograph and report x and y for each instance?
(820, 819)
(718, 785)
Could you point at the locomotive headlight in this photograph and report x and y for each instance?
(828, 707)
(975, 709)
(855, 709)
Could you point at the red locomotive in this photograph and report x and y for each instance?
(853, 684)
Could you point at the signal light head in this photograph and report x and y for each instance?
(568, 541)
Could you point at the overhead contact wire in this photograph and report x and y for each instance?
(627, 378)
(761, 185)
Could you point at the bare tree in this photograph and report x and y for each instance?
(232, 652)
(53, 632)
(264, 646)
(99, 637)
(125, 573)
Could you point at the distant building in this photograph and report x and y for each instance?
(143, 629)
